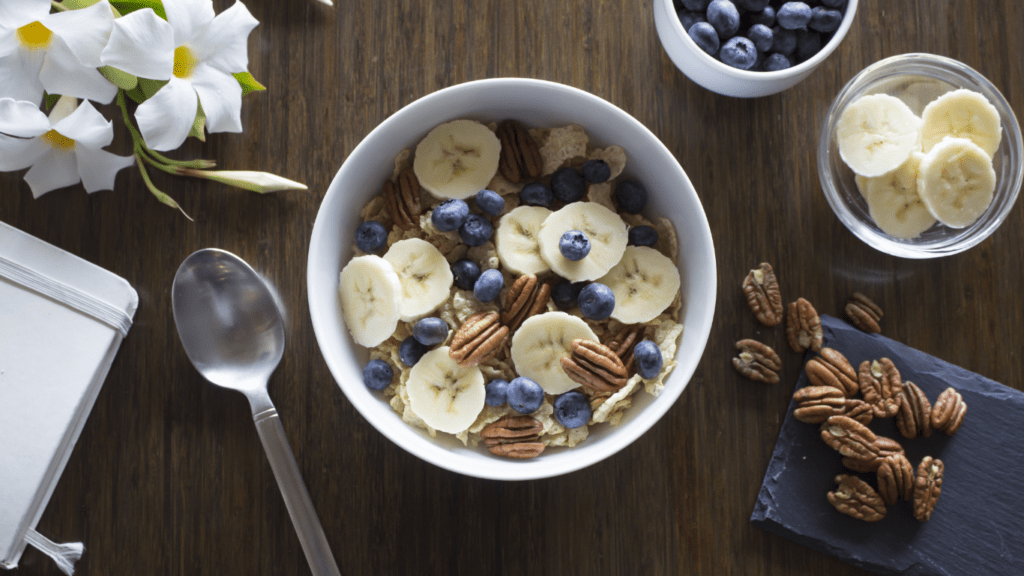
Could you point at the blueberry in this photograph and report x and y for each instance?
(371, 236)
(596, 171)
(565, 293)
(647, 356)
(765, 17)
(784, 42)
(449, 215)
(572, 410)
(687, 18)
(574, 245)
(643, 236)
(475, 230)
(739, 52)
(490, 202)
(829, 3)
(705, 37)
(825, 20)
(466, 272)
(596, 301)
(536, 194)
(568, 185)
(630, 196)
(808, 43)
(793, 15)
(697, 5)
(497, 392)
(377, 374)
(430, 331)
(410, 351)
(776, 62)
(761, 36)
(752, 5)
(723, 15)
(488, 285)
(524, 395)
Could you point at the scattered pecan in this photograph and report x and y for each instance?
(881, 385)
(857, 442)
(927, 487)
(763, 296)
(815, 404)
(622, 344)
(803, 327)
(402, 199)
(855, 497)
(864, 313)
(859, 410)
(514, 436)
(478, 339)
(948, 412)
(862, 466)
(520, 155)
(915, 415)
(595, 366)
(833, 369)
(757, 362)
(527, 296)
(895, 479)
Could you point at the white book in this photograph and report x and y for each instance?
(62, 320)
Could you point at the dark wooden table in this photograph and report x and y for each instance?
(169, 477)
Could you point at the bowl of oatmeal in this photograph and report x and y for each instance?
(643, 288)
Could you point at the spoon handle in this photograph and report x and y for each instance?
(296, 498)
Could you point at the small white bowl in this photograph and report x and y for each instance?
(535, 103)
(705, 70)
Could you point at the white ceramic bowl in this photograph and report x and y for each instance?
(535, 103)
(705, 70)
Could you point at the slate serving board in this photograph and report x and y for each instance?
(978, 523)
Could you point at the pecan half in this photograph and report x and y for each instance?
(527, 296)
(881, 385)
(855, 497)
(859, 410)
(402, 199)
(595, 366)
(763, 296)
(915, 415)
(803, 327)
(478, 339)
(895, 479)
(520, 155)
(514, 436)
(833, 369)
(815, 404)
(927, 487)
(858, 443)
(757, 362)
(948, 412)
(622, 344)
(864, 313)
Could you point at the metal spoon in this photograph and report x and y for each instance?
(233, 332)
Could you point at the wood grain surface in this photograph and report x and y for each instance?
(169, 476)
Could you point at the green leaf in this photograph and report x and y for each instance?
(150, 87)
(51, 99)
(78, 4)
(249, 84)
(199, 125)
(136, 95)
(128, 6)
(119, 78)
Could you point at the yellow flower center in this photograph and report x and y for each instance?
(184, 62)
(58, 140)
(34, 35)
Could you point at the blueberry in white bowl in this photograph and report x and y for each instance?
(371, 236)
(450, 215)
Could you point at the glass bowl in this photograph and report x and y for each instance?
(917, 79)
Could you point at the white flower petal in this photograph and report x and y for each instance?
(188, 17)
(166, 119)
(8, 41)
(224, 43)
(221, 96)
(56, 169)
(142, 44)
(22, 118)
(99, 168)
(87, 127)
(16, 13)
(63, 74)
(18, 153)
(19, 75)
(62, 109)
(86, 31)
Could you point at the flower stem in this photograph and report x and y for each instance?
(163, 198)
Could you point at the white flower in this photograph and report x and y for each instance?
(198, 53)
(56, 52)
(62, 150)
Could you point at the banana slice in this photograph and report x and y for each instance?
(956, 181)
(541, 342)
(645, 282)
(516, 240)
(862, 184)
(370, 295)
(893, 201)
(457, 159)
(605, 229)
(445, 395)
(876, 134)
(962, 114)
(425, 276)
